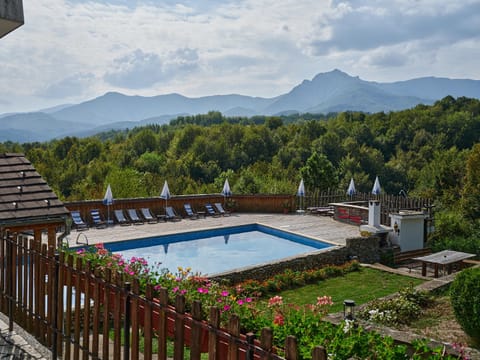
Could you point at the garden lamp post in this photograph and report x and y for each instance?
(348, 309)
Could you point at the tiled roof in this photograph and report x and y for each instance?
(24, 196)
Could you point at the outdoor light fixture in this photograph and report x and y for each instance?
(348, 309)
(22, 174)
(20, 188)
(15, 205)
(47, 202)
(396, 228)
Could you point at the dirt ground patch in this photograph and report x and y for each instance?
(438, 322)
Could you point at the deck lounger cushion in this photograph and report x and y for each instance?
(170, 214)
(210, 210)
(78, 221)
(97, 219)
(189, 211)
(121, 218)
(132, 214)
(147, 215)
(221, 210)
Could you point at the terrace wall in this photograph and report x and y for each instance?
(366, 250)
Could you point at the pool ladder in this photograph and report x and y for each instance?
(78, 239)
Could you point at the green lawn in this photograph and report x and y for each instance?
(360, 286)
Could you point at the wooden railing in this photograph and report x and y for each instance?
(77, 313)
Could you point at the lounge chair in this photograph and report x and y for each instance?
(121, 218)
(97, 219)
(132, 214)
(211, 211)
(147, 215)
(190, 212)
(221, 210)
(78, 221)
(170, 214)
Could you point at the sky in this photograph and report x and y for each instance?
(69, 51)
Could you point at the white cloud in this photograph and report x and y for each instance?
(73, 50)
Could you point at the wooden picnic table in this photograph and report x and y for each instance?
(445, 258)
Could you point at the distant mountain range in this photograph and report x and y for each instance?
(333, 91)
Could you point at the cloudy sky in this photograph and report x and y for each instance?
(74, 50)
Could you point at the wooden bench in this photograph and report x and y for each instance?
(408, 255)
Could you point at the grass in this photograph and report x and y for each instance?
(361, 286)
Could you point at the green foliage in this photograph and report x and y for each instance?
(427, 151)
(400, 309)
(465, 298)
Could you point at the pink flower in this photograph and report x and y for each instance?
(324, 300)
(240, 302)
(275, 301)
(278, 320)
(248, 299)
(202, 290)
(183, 292)
(224, 293)
(226, 308)
(175, 289)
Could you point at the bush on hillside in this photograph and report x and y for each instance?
(465, 299)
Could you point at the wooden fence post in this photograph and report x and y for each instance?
(319, 353)
(162, 323)
(179, 327)
(214, 322)
(196, 330)
(291, 349)
(234, 331)
(266, 342)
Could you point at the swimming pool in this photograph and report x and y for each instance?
(218, 250)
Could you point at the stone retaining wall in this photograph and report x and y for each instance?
(364, 249)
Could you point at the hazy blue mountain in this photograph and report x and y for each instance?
(332, 91)
(337, 91)
(35, 126)
(434, 88)
(116, 107)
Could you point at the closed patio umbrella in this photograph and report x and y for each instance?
(226, 191)
(108, 200)
(165, 194)
(301, 193)
(351, 188)
(376, 187)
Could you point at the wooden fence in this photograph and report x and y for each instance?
(389, 203)
(77, 313)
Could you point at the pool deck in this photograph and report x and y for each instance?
(318, 227)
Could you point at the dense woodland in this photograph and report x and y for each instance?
(429, 151)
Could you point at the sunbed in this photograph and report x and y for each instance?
(190, 212)
(97, 219)
(170, 214)
(221, 210)
(78, 221)
(121, 218)
(211, 211)
(132, 214)
(148, 216)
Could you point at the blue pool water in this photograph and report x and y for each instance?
(214, 251)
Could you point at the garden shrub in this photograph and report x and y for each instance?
(465, 299)
(401, 309)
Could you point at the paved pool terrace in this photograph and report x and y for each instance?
(318, 227)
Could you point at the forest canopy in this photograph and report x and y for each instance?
(429, 151)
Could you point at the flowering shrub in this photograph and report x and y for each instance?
(401, 309)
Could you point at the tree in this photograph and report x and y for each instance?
(319, 172)
(471, 191)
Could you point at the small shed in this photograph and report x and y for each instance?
(27, 204)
